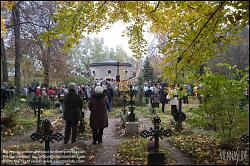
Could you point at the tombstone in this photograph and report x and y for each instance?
(131, 128)
(155, 157)
(46, 135)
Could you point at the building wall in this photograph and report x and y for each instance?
(101, 72)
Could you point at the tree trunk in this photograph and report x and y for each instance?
(46, 66)
(4, 62)
(16, 20)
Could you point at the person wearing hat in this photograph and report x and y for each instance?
(72, 113)
(98, 106)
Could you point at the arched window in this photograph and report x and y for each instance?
(109, 71)
(126, 72)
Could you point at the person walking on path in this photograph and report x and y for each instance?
(98, 106)
(72, 113)
(110, 93)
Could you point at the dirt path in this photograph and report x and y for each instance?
(106, 150)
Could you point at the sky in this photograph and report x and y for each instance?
(113, 37)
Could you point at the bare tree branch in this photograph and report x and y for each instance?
(158, 4)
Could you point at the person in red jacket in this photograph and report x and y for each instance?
(38, 92)
(51, 94)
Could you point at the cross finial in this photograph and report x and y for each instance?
(156, 121)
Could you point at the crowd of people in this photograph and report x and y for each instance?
(99, 99)
(161, 93)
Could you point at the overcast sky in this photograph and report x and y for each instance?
(113, 37)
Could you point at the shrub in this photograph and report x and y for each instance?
(222, 107)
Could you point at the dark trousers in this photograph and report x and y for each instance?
(163, 107)
(185, 100)
(147, 100)
(97, 134)
(69, 125)
(3, 102)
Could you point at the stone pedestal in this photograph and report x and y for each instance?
(132, 128)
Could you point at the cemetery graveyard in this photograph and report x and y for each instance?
(167, 81)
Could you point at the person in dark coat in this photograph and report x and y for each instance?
(110, 94)
(163, 96)
(98, 106)
(72, 113)
(4, 94)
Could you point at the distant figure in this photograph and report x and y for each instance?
(172, 95)
(4, 94)
(148, 93)
(98, 106)
(61, 95)
(51, 94)
(110, 91)
(72, 113)
(88, 92)
(154, 101)
(38, 92)
(163, 96)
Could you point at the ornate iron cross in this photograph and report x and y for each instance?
(156, 132)
(47, 135)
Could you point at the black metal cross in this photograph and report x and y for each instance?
(47, 135)
(156, 132)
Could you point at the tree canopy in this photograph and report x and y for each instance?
(190, 33)
(191, 30)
